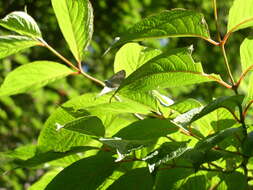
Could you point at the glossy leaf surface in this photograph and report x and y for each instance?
(75, 18)
(21, 23)
(32, 76)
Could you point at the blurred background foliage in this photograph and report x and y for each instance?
(22, 116)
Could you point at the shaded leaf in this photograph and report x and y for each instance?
(147, 129)
(75, 18)
(125, 147)
(166, 152)
(196, 183)
(228, 102)
(212, 140)
(41, 158)
(131, 56)
(173, 23)
(136, 179)
(63, 140)
(87, 173)
(172, 69)
(197, 156)
(239, 13)
(21, 23)
(167, 179)
(32, 76)
(89, 125)
(235, 180)
(12, 44)
(247, 145)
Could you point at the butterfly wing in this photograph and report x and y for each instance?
(116, 79)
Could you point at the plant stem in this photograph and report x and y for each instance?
(227, 64)
(45, 44)
(88, 76)
(234, 28)
(78, 69)
(216, 20)
(247, 108)
(243, 75)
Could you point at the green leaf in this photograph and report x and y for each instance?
(138, 135)
(249, 95)
(75, 18)
(196, 183)
(212, 140)
(87, 173)
(131, 56)
(247, 145)
(89, 125)
(235, 180)
(228, 102)
(125, 147)
(185, 105)
(125, 106)
(12, 44)
(246, 53)
(145, 99)
(172, 69)
(147, 129)
(167, 179)
(173, 23)
(41, 158)
(63, 140)
(44, 180)
(197, 156)
(166, 152)
(32, 76)
(21, 23)
(185, 118)
(136, 179)
(246, 62)
(240, 14)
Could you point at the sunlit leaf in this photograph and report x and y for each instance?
(75, 18)
(240, 14)
(173, 23)
(21, 23)
(12, 44)
(32, 76)
(89, 125)
(246, 53)
(131, 56)
(63, 140)
(172, 69)
(44, 180)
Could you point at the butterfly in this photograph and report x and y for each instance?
(113, 83)
(116, 79)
